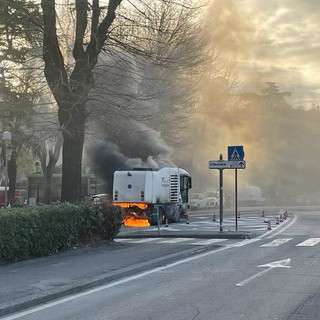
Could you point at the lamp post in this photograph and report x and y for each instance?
(6, 137)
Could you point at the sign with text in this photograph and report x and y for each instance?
(223, 164)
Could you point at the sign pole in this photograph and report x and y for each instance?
(221, 195)
(236, 197)
(235, 161)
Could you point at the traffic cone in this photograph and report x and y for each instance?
(269, 225)
(262, 213)
(277, 220)
(214, 218)
(281, 218)
(238, 214)
(167, 224)
(187, 222)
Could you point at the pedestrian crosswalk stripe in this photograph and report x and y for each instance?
(208, 241)
(176, 240)
(131, 240)
(276, 242)
(309, 243)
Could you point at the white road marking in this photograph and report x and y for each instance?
(209, 241)
(295, 218)
(309, 243)
(271, 265)
(176, 240)
(244, 282)
(131, 240)
(244, 242)
(276, 243)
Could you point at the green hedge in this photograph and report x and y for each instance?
(47, 229)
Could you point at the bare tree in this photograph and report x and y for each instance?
(99, 28)
(18, 92)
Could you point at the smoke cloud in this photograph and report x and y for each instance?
(128, 129)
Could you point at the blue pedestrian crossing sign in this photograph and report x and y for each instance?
(235, 153)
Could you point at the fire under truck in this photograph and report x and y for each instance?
(152, 195)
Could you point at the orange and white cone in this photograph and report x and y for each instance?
(167, 223)
(277, 220)
(238, 214)
(262, 214)
(214, 218)
(187, 222)
(269, 225)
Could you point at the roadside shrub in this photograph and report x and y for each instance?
(47, 229)
(112, 218)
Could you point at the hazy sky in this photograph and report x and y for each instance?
(273, 40)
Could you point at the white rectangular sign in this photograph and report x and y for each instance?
(223, 164)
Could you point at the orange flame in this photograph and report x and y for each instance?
(142, 206)
(131, 218)
(133, 221)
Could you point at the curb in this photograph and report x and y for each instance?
(168, 234)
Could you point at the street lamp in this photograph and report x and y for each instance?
(6, 137)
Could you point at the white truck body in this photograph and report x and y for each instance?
(165, 189)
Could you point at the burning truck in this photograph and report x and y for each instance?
(150, 195)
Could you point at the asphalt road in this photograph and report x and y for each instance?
(274, 276)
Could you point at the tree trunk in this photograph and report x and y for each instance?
(71, 168)
(72, 120)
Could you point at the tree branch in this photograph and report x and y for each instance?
(54, 64)
(81, 25)
(97, 42)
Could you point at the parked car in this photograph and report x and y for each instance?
(101, 197)
(212, 199)
(198, 201)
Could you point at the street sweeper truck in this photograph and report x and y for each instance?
(152, 195)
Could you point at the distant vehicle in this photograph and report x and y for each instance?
(213, 199)
(250, 196)
(101, 197)
(198, 201)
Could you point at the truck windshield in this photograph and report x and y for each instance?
(184, 187)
